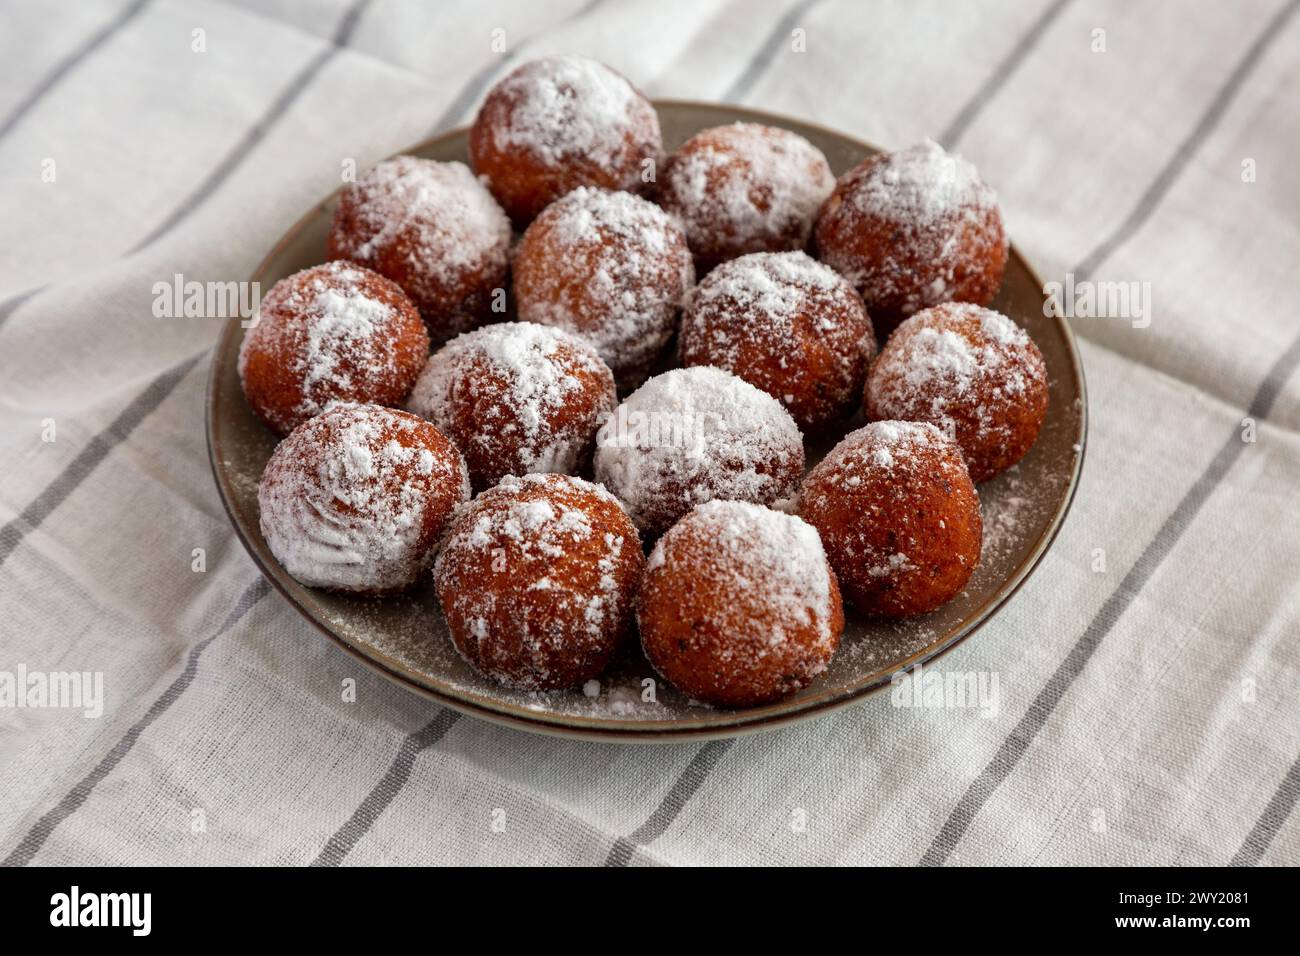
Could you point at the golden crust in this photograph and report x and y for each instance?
(738, 606)
(335, 332)
(913, 229)
(537, 579)
(898, 515)
(974, 374)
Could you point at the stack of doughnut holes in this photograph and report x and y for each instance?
(616, 447)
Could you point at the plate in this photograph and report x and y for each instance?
(405, 638)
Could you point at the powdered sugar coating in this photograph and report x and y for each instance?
(970, 371)
(610, 266)
(516, 397)
(745, 188)
(432, 228)
(738, 605)
(355, 499)
(557, 123)
(914, 228)
(692, 435)
(787, 324)
(899, 516)
(537, 578)
(335, 332)
(571, 106)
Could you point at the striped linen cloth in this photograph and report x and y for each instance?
(1148, 672)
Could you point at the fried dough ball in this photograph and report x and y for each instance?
(972, 372)
(912, 229)
(434, 230)
(898, 515)
(537, 580)
(610, 266)
(738, 606)
(516, 398)
(556, 124)
(357, 498)
(335, 332)
(745, 188)
(788, 324)
(694, 434)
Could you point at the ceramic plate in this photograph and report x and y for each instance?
(406, 640)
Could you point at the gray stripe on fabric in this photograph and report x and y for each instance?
(479, 83)
(11, 304)
(385, 791)
(94, 452)
(678, 795)
(998, 78)
(762, 60)
(1222, 100)
(343, 33)
(1015, 745)
(347, 27)
(35, 838)
(257, 132)
(1018, 741)
(1279, 807)
(69, 63)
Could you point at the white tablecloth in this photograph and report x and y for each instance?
(1148, 672)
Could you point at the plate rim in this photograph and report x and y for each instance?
(600, 728)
